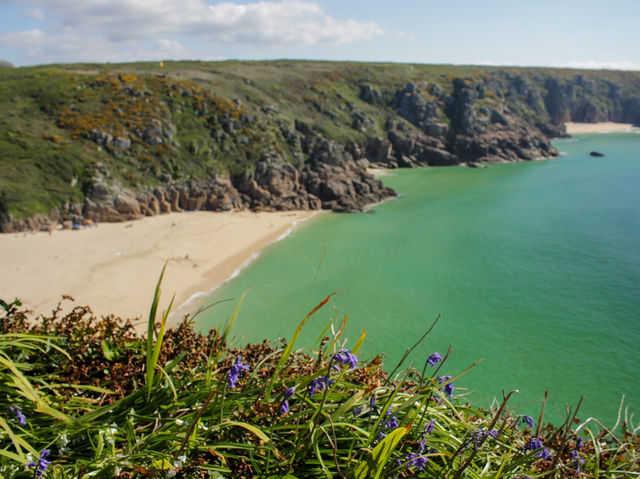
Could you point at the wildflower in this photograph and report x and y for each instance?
(528, 420)
(416, 460)
(576, 460)
(422, 444)
(236, 371)
(434, 359)
(372, 402)
(22, 419)
(429, 427)
(533, 444)
(344, 356)
(42, 464)
(318, 384)
(356, 411)
(289, 392)
(544, 454)
(391, 423)
(481, 435)
(284, 407)
(579, 443)
(448, 388)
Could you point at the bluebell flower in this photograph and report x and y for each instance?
(434, 359)
(22, 419)
(289, 392)
(429, 427)
(344, 356)
(42, 464)
(356, 411)
(422, 444)
(284, 407)
(416, 460)
(448, 388)
(372, 401)
(533, 444)
(236, 371)
(481, 435)
(318, 384)
(544, 454)
(391, 423)
(528, 420)
(576, 460)
(579, 443)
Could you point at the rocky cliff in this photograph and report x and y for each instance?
(118, 142)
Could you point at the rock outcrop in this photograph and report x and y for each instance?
(160, 145)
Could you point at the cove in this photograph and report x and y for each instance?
(533, 266)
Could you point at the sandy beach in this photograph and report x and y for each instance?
(114, 267)
(603, 127)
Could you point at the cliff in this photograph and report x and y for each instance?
(118, 142)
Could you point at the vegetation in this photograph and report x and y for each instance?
(89, 397)
(64, 127)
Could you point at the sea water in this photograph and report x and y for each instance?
(534, 268)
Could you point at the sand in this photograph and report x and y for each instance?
(603, 127)
(114, 267)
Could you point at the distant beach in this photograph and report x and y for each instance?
(602, 127)
(114, 267)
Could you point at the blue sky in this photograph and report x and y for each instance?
(582, 34)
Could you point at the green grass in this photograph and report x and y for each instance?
(107, 402)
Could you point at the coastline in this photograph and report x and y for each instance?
(114, 267)
(602, 127)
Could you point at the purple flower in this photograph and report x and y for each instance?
(318, 384)
(42, 464)
(448, 388)
(284, 407)
(356, 411)
(289, 392)
(22, 419)
(481, 435)
(579, 443)
(422, 444)
(344, 356)
(533, 444)
(528, 420)
(416, 460)
(544, 454)
(372, 401)
(391, 423)
(576, 460)
(434, 359)
(236, 371)
(429, 427)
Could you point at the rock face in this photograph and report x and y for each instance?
(332, 179)
(281, 158)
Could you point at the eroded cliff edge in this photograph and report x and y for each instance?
(118, 142)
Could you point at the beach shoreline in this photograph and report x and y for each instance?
(574, 128)
(114, 267)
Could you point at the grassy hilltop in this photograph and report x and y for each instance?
(71, 133)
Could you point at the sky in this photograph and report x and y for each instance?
(567, 33)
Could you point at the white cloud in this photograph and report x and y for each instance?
(128, 26)
(35, 13)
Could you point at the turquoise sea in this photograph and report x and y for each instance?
(535, 268)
